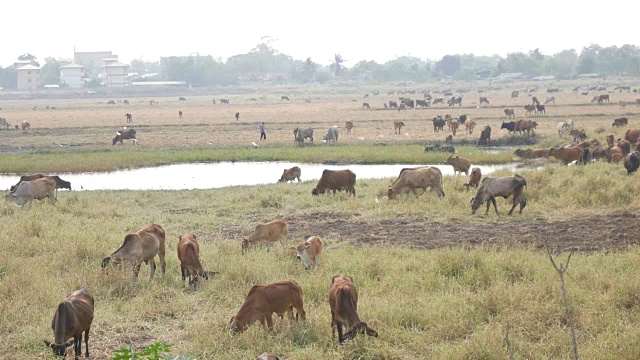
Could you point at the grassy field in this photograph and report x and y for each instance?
(208, 132)
(429, 292)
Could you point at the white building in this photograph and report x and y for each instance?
(115, 74)
(72, 75)
(28, 77)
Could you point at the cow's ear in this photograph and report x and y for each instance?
(306, 246)
(48, 343)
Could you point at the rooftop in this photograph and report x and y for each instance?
(116, 64)
(28, 67)
(72, 66)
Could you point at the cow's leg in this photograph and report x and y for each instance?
(269, 319)
(516, 200)
(86, 342)
(495, 207)
(183, 273)
(333, 324)
(152, 268)
(340, 336)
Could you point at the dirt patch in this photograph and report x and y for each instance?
(616, 231)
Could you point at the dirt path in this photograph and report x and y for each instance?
(615, 231)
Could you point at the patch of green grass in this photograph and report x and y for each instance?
(63, 161)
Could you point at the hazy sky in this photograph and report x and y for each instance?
(359, 30)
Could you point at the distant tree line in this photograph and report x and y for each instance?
(264, 63)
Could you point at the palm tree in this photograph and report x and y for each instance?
(337, 64)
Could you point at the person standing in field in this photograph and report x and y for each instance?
(263, 134)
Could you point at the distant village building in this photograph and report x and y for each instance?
(93, 58)
(28, 77)
(20, 63)
(115, 74)
(510, 76)
(72, 75)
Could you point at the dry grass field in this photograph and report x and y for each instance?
(434, 281)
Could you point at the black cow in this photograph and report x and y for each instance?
(510, 126)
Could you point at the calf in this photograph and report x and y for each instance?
(397, 127)
(189, 256)
(267, 233)
(139, 247)
(309, 252)
(459, 164)
(502, 186)
(290, 174)
(343, 300)
(264, 300)
(349, 126)
(474, 179)
(72, 317)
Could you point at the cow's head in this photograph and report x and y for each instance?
(316, 192)
(117, 138)
(59, 349)
(341, 277)
(390, 193)
(236, 325)
(246, 242)
(360, 328)
(62, 184)
(302, 254)
(475, 204)
(105, 262)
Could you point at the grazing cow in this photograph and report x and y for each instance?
(366, 96)
(309, 252)
(529, 109)
(348, 125)
(402, 106)
(300, 134)
(180, 113)
(129, 117)
(564, 127)
(585, 93)
(568, 155)
(37, 189)
(631, 163)
(283, 97)
(438, 100)
(460, 165)
(438, 124)
(474, 178)
(620, 122)
(485, 136)
(603, 98)
(336, 180)
(632, 135)
(4, 123)
(515, 93)
(110, 102)
(423, 103)
(263, 300)
(343, 300)
(290, 174)
(501, 186)
(60, 184)
(366, 106)
(393, 104)
(332, 135)
(267, 233)
(540, 109)
(535, 101)
(237, 116)
(509, 113)
(73, 316)
(189, 256)
(578, 135)
(397, 127)
(455, 100)
(550, 100)
(484, 100)
(463, 118)
(139, 247)
(224, 101)
(510, 126)
(553, 90)
(440, 148)
(470, 125)
(181, 98)
(125, 134)
(25, 126)
(411, 179)
(531, 153)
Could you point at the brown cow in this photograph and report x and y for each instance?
(531, 153)
(578, 135)
(632, 135)
(402, 106)
(502, 186)
(37, 189)
(460, 165)
(139, 247)
(529, 109)
(625, 145)
(72, 317)
(309, 252)
(366, 106)
(620, 122)
(264, 300)
(438, 100)
(568, 155)
(348, 125)
(527, 126)
(397, 127)
(343, 300)
(470, 125)
(509, 112)
(265, 356)
(474, 179)
(453, 125)
(484, 100)
(336, 180)
(189, 256)
(267, 233)
(616, 158)
(411, 179)
(485, 136)
(25, 126)
(290, 174)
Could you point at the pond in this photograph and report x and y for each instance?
(221, 174)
